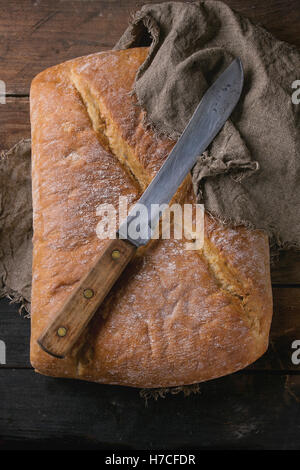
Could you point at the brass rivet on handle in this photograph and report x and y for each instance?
(115, 254)
(62, 331)
(88, 293)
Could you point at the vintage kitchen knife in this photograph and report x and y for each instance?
(209, 117)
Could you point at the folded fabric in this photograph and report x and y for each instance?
(251, 173)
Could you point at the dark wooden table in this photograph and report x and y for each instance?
(257, 408)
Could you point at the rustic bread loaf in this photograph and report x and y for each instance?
(175, 316)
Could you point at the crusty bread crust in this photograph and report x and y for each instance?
(175, 316)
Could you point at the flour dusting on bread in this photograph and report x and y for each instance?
(175, 316)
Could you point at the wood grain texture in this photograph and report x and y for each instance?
(15, 332)
(14, 121)
(35, 34)
(285, 330)
(69, 323)
(287, 269)
(257, 408)
(236, 412)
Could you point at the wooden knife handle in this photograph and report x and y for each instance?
(67, 325)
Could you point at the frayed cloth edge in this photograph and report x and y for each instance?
(157, 393)
(16, 298)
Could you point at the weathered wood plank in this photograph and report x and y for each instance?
(236, 412)
(285, 330)
(38, 34)
(245, 410)
(280, 17)
(287, 268)
(35, 34)
(14, 121)
(15, 332)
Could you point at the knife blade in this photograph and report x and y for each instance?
(209, 117)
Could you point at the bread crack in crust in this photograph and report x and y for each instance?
(107, 132)
(225, 276)
(113, 131)
(175, 316)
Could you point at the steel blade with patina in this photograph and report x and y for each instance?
(208, 119)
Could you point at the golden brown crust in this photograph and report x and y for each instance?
(175, 317)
